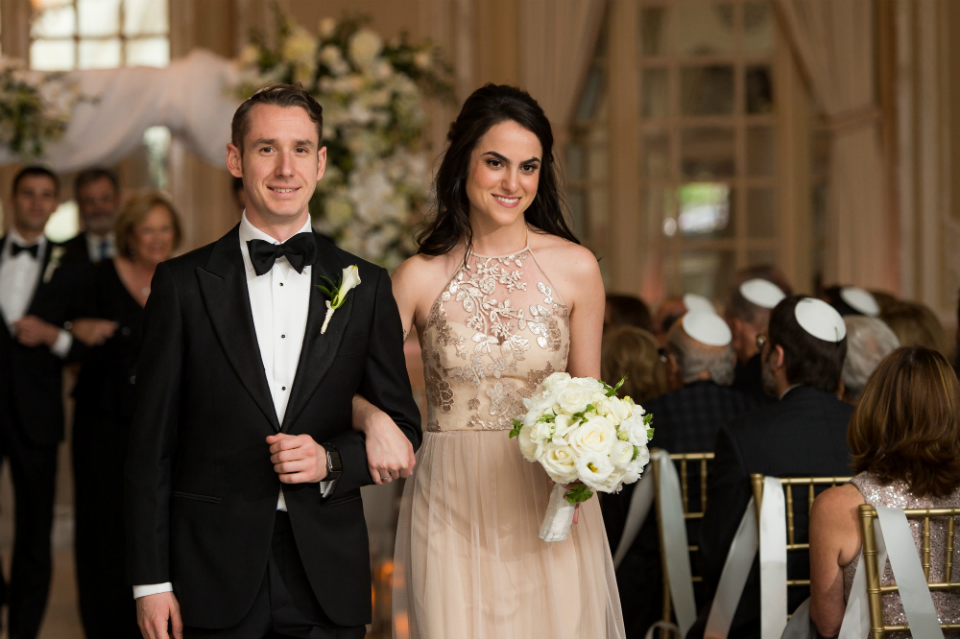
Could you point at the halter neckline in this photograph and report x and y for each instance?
(526, 247)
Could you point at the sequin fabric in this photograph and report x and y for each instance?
(496, 331)
(898, 495)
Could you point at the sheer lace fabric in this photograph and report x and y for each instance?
(469, 562)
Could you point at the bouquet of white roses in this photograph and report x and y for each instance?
(582, 434)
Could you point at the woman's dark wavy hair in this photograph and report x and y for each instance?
(486, 107)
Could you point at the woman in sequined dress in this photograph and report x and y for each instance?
(502, 295)
(905, 438)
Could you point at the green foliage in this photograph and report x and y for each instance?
(517, 426)
(578, 493)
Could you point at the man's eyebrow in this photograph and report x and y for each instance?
(266, 142)
(506, 161)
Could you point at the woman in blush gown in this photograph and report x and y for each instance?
(501, 295)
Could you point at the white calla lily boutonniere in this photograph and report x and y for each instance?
(338, 292)
(56, 255)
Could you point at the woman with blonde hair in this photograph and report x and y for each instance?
(634, 355)
(905, 439)
(147, 232)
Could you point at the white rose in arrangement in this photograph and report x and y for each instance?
(528, 447)
(597, 435)
(365, 46)
(573, 399)
(555, 381)
(635, 429)
(622, 454)
(562, 427)
(541, 431)
(593, 469)
(560, 463)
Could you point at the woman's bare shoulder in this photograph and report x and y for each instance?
(837, 501)
(423, 276)
(570, 261)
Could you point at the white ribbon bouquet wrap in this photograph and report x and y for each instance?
(582, 434)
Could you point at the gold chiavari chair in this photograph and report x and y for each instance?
(812, 483)
(683, 461)
(875, 591)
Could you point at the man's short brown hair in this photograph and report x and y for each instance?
(281, 95)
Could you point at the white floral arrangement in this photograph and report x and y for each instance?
(377, 181)
(35, 108)
(586, 438)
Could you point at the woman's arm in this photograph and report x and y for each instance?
(834, 543)
(586, 312)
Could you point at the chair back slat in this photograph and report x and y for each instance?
(703, 483)
(791, 536)
(684, 487)
(875, 591)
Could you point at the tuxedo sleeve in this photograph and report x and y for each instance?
(83, 303)
(153, 435)
(728, 493)
(385, 384)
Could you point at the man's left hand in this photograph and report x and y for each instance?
(297, 458)
(33, 331)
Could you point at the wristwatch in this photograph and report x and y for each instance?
(334, 466)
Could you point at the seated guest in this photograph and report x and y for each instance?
(626, 310)
(803, 434)
(97, 192)
(869, 340)
(905, 438)
(851, 300)
(916, 325)
(767, 272)
(884, 300)
(685, 421)
(748, 314)
(674, 308)
(147, 232)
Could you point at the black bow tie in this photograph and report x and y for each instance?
(33, 249)
(300, 250)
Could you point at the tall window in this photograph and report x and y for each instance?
(708, 136)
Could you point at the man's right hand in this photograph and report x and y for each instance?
(93, 332)
(159, 616)
(389, 453)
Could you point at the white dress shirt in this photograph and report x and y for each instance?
(280, 301)
(96, 246)
(19, 278)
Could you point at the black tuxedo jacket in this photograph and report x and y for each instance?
(201, 493)
(77, 247)
(31, 378)
(802, 435)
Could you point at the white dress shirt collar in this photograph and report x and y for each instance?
(249, 232)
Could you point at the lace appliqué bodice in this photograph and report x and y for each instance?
(493, 335)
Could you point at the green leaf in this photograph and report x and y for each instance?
(612, 390)
(546, 417)
(636, 451)
(647, 419)
(578, 493)
(517, 426)
(326, 291)
(649, 434)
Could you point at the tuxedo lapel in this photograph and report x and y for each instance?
(223, 285)
(318, 351)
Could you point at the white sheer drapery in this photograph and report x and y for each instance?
(190, 97)
(834, 41)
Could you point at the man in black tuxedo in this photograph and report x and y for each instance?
(97, 192)
(243, 477)
(803, 434)
(748, 314)
(42, 289)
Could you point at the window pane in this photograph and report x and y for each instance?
(706, 91)
(144, 16)
(705, 210)
(707, 152)
(656, 153)
(99, 17)
(759, 88)
(654, 93)
(99, 54)
(761, 156)
(148, 52)
(54, 22)
(659, 210)
(761, 213)
(52, 55)
(653, 31)
(761, 258)
(757, 28)
(706, 28)
(591, 95)
(706, 273)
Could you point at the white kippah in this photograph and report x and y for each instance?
(820, 320)
(707, 328)
(695, 302)
(860, 300)
(763, 293)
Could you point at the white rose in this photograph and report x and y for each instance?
(622, 454)
(635, 429)
(541, 432)
(618, 407)
(573, 400)
(597, 435)
(630, 476)
(589, 384)
(562, 426)
(642, 459)
(593, 469)
(528, 447)
(560, 463)
(365, 46)
(612, 483)
(556, 380)
(327, 27)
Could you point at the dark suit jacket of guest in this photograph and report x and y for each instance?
(748, 379)
(685, 421)
(31, 378)
(201, 493)
(77, 247)
(804, 434)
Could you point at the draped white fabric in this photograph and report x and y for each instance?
(833, 40)
(190, 97)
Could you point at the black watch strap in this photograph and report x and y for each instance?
(334, 465)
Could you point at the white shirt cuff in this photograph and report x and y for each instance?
(151, 589)
(61, 347)
(327, 487)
